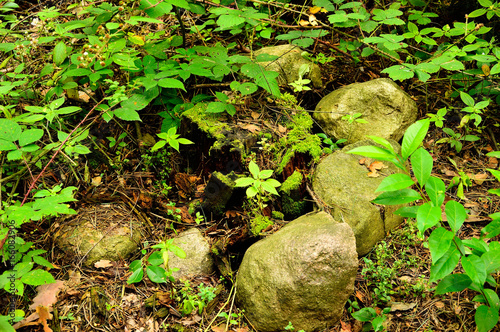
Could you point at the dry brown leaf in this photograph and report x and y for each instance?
(478, 178)
(312, 20)
(492, 162)
(362, 161)
(360, 296)
(254, 115)
(44, 315)
(281, 129)
(345, 327)
(242, 329)
(220, 328)
(314, 10)
(96, 181)
(448, 172)
(103, 263)
(400, 306)
(303, 23)
(439, 305)
(376, 165)
(373, 174)
(251, 127)
(47, 294)
(74, 278)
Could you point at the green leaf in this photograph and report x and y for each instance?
(439, 242)
(156, 274)
(421, 161)
(216, 107)
(435, 189)
(230, 21)
(174, 143)
(399, 72)
(467, 99)
(158, 145)
(37, 277)
(445, 265)
(4, 324)
(177, 251)
(267, 186)
(171, 83)
(427, 216)
(452, 65)
(365, 314)
(47, 69)
(60, 53)
(407, 212)
(453, 283)
(413, 137)
(254, 169)
(475, 269)
(395, 181)
(10, 131)
(29, 136)
(382, 141)
(247, 88)
(456, 215)
(251, 192)
(267, 173)
(397, 197)
(127, 114)
(136, 276)
(491, 260)
(243, 182)
(374, 152)
(486, 318)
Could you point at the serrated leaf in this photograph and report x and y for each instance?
(413, 137)
(453, 283)
(397, 197)
(269, 188)
(395, 181)
(439, 242)
(230, 21)
(243, 182)
(421, 162)
(399, 72)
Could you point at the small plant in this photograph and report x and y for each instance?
(290, 327)
(199, 218)
(370, 316)
(351, 118)
(479, 258)
(438, 118)
(232, 318)
(171, 138)
(189, 300)
(301, 84)
(455, 139)
(260, 185)
(329, 143)
(157, 264)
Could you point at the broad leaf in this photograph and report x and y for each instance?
(486, 318)
(136, 276)
(413, 137)
(435, 189)
(243, 182)
(9, 130)
(440, 241)
(37, 277)
(156, 274)
(29, 136)
(491, 259)
(427, 217)
(395, 181)
(445, 265)
(60, 53)
(397, 197)
(421, 162)
(453, 283)
(254, 169)
(475, 269)
(374, 152)
(456, 215)
(407, 211)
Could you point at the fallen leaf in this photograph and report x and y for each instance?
(303, 23)
(220, 328)
(401, 306)
(376, 165)
(43, 313)
(96, 181)
(448, 172)
(47, 294)
(373, 174)
(281, 129)
(439, 305)
(362, 161)
(314, 10)
(103, 263)
(345, 327)
(251, 127)
(478, 178)
(312, 20)
(255, 115)
(360, 296)
(242, 329)
(492, 162)
(74, 278)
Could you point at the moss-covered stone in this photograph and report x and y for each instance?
(292, 208)
(218, 192)
(300, 140)
(293, 182)
(278, 215)
(259, 223)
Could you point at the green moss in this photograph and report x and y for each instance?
(291, 208)
(259, 223)
(300, 140)
(293, 182)
(277, 215)
(208, 123)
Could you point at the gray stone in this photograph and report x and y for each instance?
(387, 108)
(198, 260)
(288, 64)
(302, 274)
(100, 232)
(343, 183)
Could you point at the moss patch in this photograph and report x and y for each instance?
(259, 223)
(293, 182)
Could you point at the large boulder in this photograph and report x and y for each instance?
(302, 274)
(388, 110)
(346, 183)
(288, 64)
(198, 260)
